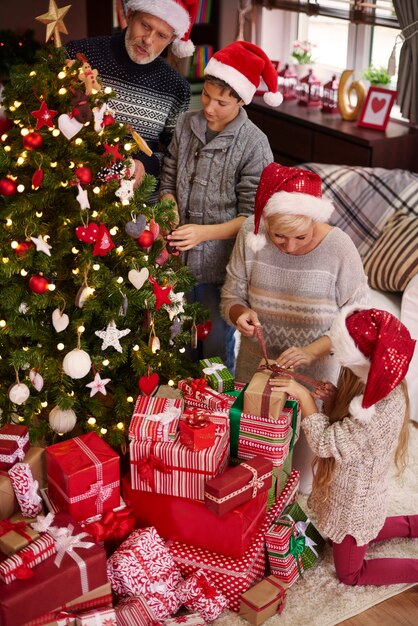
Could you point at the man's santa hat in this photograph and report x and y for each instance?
(242, 65)
(288, 191)
(179, 14)
(377, 347)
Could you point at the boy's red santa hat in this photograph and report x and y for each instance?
(242, 65)
(288, 191)
(377, 347)
(179, 14)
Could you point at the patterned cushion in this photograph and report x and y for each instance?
(366, 197)
(393, 258)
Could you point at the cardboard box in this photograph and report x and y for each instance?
(260, 398)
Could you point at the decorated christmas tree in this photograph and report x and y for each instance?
(92, 301)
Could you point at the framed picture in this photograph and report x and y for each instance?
(376, 108)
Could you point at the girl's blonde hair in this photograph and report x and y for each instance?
(349, 386)
(287, 224)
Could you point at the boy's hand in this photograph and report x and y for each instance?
(187, 236)
(247, 322)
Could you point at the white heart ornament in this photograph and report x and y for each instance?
(138, 278)
(69, 126)
(60, 320)
(36, 380)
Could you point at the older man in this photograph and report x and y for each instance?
(150, 94)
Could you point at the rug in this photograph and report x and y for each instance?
(319, 599)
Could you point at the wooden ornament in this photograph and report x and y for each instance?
(347, 110)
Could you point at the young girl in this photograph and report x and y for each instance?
(366, 422)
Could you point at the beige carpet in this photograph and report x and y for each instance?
(319, 599)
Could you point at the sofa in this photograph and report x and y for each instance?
(378, 208)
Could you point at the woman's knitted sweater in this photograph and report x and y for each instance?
(363, 454)
(296, 298)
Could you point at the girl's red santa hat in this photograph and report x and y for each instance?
(179, 14)
(288, 191)
(377, 348)
(242, 65)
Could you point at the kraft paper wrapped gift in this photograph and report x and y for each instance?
(15, 534)
(189, 521)
(155, 419)
(217, 374)
(83, 476)
(78, 567)
(234, 576)
(263, 600)
(190, 619)
(20, 565)
(260, 398)
(238, 485)
(35, 458)
(14, 443)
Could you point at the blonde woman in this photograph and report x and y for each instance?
(355, 441)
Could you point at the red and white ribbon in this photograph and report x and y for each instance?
(26, 489)
(256, 483)
(66, 543)
(164, 419)
(19, 453)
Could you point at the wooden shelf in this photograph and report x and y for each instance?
(298, 134)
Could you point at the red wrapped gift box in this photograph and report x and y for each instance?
(198, 390)
(197, 431)
(14, 443)
(189, 521)
(155, 418)
(83, 476)
(285, 560)
(20, 565)
(234, 576)
(70, 574)
(238, 485)
(199, 594)
(173, 469)
(143, 565)
(134, 610)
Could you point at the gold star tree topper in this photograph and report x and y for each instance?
(54, 22)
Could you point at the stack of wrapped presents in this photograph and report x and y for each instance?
(205, 521)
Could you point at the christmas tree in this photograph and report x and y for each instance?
(92, 301)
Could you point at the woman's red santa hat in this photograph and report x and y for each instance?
(242, 65)
(179, 14)
(287, 191)
(378, 348)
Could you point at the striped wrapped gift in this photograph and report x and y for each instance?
(217, 374)
(199, 395)
(18, 566)
(234, 576)
(171, 468)
(134, 610)
(313, 541)
(284, 549)
(156, 419)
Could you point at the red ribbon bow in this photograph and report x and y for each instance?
(7, 526)
(24, 571)
(114, 524)
(198, 385)
(207, 588)
(196, 418)
(147, 466)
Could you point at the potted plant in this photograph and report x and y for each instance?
(302, 56)
(377, 76)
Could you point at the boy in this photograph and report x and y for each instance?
(212, 169)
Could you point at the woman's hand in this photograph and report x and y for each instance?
(187, 236)
(295, 357)
(298, 391)
(139, 173)
(247, 322)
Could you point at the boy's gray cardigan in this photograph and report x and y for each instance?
(214, 182)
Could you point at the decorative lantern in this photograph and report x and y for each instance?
(330, 96)
(309, 91)
(287, 83)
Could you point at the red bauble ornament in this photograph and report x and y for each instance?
(147, 384)
(37, 179)
(38, 284)
(84, 175)
(145, 239)
(22, 248)
(32, 141)
(203, 330)
(108, 119)
(8, 187)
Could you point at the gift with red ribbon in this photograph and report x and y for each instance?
(15, 534)
(197, 389)
(155, 418)
(143, 565)
(97, 617)
(238, 485)
(20, 566)
(112, 528)
(26, 489)
(264, 600)
(134, 610)
(199, 594)
(14, 443)
(172, 468)
(260, 398)
(83, 476)
(197, 431)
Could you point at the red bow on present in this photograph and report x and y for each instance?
(207, 587)
(7, 526)
(114, 524)
(198, 385)
(24, 571)
(196, 418)
(147, 466)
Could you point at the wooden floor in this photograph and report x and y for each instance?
(401, 610)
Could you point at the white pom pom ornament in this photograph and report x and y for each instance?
(19, 393)
(77, 363)
(62, 420)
